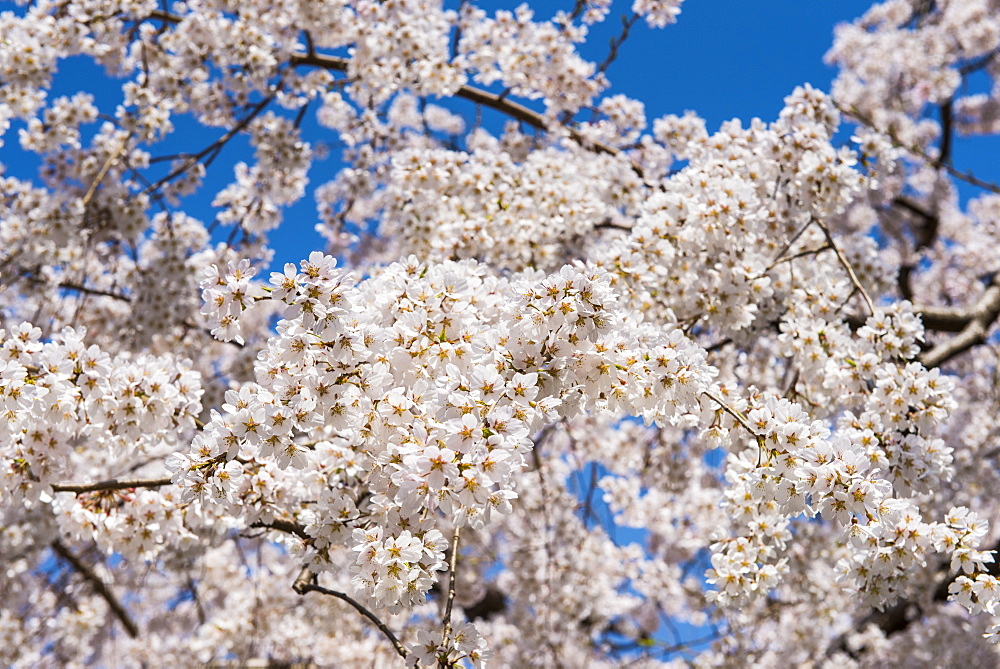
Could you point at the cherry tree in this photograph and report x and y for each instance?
(540, 318)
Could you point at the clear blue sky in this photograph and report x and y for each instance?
(723, 58)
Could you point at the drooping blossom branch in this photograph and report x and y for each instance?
(305, 583)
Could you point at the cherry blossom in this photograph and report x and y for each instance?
(563, 377)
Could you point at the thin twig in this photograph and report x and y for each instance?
(199, 609)
(794, 256)
(578, 8)
(496, 102)
(306, 583)
(65, 285)
(103, 172)
(588, 506)
(847, 266)
(616, 43)
(214, 146)
(740, 418)
(80, 288)
(100, 586)
(471, 93)
(791, 241)
(665, 650)
(449, 603)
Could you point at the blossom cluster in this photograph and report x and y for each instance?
(532, 59)
(431, 379)
(67, 406)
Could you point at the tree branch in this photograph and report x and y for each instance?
(967, 177)
(972, 325)
(928, 233)
(214, 146)
(947, 132)
(616, 42)
(979, 63)
(286, 526)
(490, 604)
(100, 586)
(69, 285)
(450, 602)
(734, 413)
(193, 589)
(111, 484)
(306, 583)
(92, 190)
(973, 334)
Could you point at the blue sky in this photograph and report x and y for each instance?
(724, 58)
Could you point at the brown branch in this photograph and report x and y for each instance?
(790, 242)
(946, 319)
(66, 285)
(616, 42)
(973, 334)
(100, 586)
(193, 589)
(111, 484)
(606, 224)
(924, 236)
(978, 64)
(489, 605)
(510, 108)
(306, 583)
(947, 132)
(285, 526)
(166, 17)
(972, 325)
(578, 8)
(740, 418)
(496, 102)
(69, 285)
(932, 222)
(904, 281)
(795, 256)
